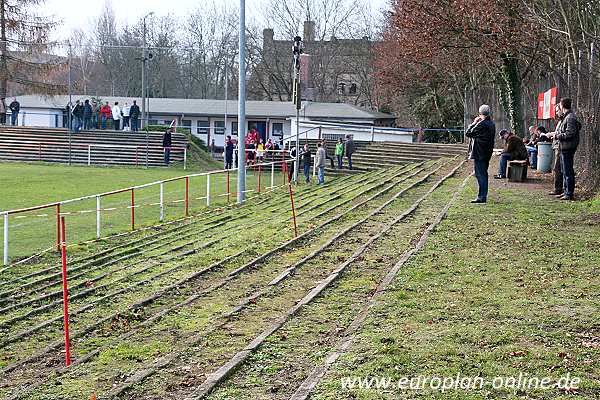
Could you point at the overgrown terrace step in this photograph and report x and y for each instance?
(395, 156)
(384, 151)
(428, 146)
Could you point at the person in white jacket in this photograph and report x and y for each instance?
(126, 113)
(320, 158)
(116, 114)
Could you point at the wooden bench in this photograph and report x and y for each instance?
(517, 171)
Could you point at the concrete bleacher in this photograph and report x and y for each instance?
(97, 147)
(374, 155)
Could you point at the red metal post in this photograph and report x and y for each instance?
(58, 227)
(187, 198)
(65, 293)
(132, 210)
(292, 201)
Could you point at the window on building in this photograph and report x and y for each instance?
(342, 88)
(219, 127)
(234, 128)
(277, 129)
(202, 128)
(353, 88)
(187, 125)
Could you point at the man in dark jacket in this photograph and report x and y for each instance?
(349, 150)
(514, 149)
(166, 143)
(14, 107)
(77, 116)
(556, 166)
(87, 115)
(568, 138)
(482, 133)
(228, 152)
(306, 156)
(134, 115)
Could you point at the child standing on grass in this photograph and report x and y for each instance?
(339, 152)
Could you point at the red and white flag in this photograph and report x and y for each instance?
(547, 104)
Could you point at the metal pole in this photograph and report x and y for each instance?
(226, 97)
(208, 190)
(162, 203)
(241, 184)
(70, 103)
(6, 238)
(297, 160)
(89, 155)
(65, 294)
(98, 223)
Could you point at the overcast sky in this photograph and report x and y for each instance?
(79, 13)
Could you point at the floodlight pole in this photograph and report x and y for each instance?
(144, 59)
(70, 116)
(297, 99)
(241, 184)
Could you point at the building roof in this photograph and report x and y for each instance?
(206, 108)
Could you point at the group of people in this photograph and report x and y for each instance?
(256, 151)
(100, 115)
(14, 107)
(565, 140)
(342, 148)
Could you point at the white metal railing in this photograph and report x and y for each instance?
(208, 198)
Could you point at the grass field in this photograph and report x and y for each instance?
(26, 185)
(502, 289)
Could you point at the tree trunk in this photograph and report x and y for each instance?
(510, 93)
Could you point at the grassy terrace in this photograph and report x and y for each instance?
(511, 287)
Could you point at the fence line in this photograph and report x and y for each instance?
(98, 201)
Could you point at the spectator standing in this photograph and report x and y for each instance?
(320, 158)
(116, 116)
(339, 152)
(166, 143)
(556, 165)
(77, 116)
(306, 157)
(260, 151)
(95, 114)
(514, 149)
(87, 115)
(126, 115)
(568, 138)
(482, 132)
(3, 111)
(134, 115)
(229, 146)
(106, 113)
(14, 107)
(349, 150)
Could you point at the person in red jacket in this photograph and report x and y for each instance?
(105, 113)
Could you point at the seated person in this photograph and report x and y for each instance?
(514, 149)
(531, 145)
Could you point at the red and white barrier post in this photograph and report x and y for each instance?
(208, 190)
(228, 188)
(58, 227)
(162, 202)
(65, 293)
(259, 173)
(132, 209)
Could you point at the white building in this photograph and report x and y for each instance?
(206, 118)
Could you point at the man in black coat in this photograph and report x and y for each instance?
(87, 115)
(14, 107)
(482, 133)
(568, 137)
(166, 143)
(228, 152)
(134, 115)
